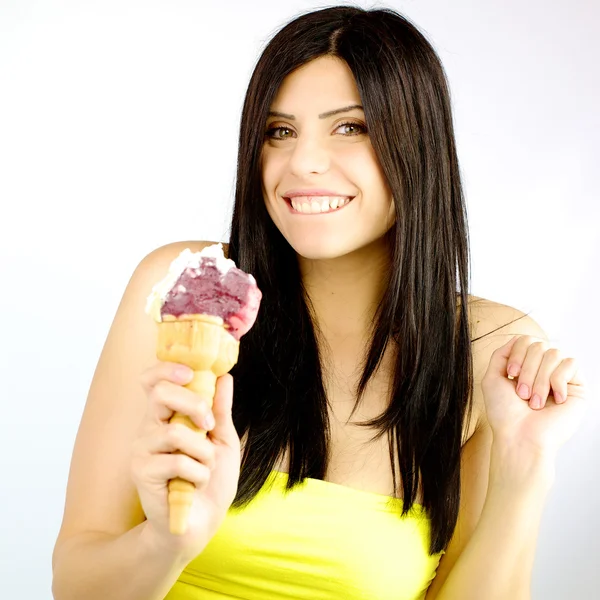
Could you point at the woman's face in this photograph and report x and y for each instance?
(317, 155)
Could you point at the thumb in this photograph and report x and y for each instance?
(224, 430)
(499, 359)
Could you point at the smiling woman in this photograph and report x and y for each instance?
(374, 445)
(318, 155)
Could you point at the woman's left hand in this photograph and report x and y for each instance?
(533, 396)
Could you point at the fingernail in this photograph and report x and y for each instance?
(536, 402)
(513, 370)
(523, 391)
(558, 398)
(184, 374)
(209, 422)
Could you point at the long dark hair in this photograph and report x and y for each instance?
(279, 399)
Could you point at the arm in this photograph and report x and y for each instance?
(497, 561)
(104, 548)
(127, 566)
(503, 490)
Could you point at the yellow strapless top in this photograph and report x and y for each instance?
(319, 540)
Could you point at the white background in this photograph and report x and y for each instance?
(118, 133)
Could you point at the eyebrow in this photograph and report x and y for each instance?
(330, 113)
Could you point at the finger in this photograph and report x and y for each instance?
(163, 467)
(567, 373)
(179, 438)
(517, 355)
(497, 364)
(168, 398)
(530, 368)
(224, 431)
(541, 386)
(168, 371)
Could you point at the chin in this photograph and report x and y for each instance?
(325, 248)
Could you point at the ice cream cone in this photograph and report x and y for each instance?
(203, 306)
(202, 343)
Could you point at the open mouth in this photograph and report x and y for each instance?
(317, 205)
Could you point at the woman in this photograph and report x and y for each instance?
(385, 451)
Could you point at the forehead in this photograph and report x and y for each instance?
(322, 84)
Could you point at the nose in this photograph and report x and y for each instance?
(309, 156)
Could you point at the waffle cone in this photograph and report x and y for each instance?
(202, 343)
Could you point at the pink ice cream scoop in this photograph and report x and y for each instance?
(208, 283)
(233, 296)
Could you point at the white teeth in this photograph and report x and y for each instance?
(318, 204)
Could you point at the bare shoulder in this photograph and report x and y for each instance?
(101, 496)
(487, 317)
(492, 325)
(164, 255)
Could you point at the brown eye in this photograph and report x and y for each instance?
(279, 133)
(351, 128)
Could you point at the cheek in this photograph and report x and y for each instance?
(271, 166)
(269, 182)
(363, 168)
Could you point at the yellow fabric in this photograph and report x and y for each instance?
(320, 541)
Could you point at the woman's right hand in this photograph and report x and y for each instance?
(163, 451)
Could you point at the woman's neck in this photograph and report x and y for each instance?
(345, 291)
